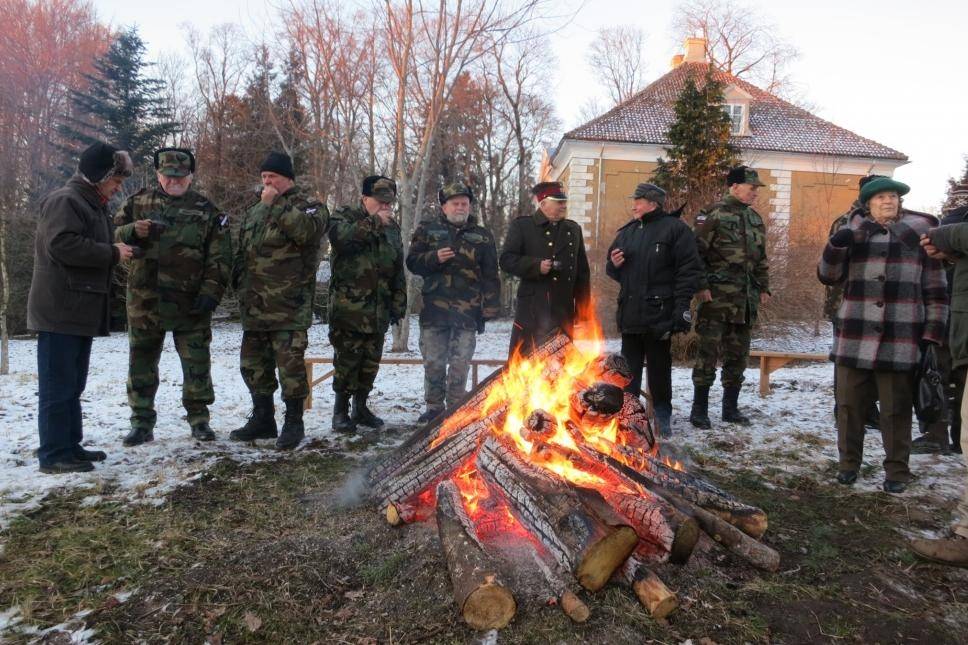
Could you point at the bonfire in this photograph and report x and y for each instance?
(549, 481)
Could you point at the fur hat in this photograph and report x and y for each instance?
(101, 161)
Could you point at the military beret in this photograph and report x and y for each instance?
(549, 190)
(743, 175)
(454, 189)
(381, 188)
(174, 162)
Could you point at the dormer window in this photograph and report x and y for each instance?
(737, 117)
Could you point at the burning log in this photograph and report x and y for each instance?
(538, 427)
(600, 401)
(614, 369)
(579, 529)
(649, 589)
(483, 601)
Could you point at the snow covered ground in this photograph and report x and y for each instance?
(793, 429)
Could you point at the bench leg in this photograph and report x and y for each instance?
(308, 403)
(768, 365)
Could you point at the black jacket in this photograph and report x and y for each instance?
(73, 260)
(550, 300)
(660, 273)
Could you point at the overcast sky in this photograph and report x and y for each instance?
(889, 70)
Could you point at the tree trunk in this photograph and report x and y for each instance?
(4, 296)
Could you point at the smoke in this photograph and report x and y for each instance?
(353, 491)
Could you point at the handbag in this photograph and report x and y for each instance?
(930, 400)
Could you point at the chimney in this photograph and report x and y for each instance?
(676, 61)
(695, 50)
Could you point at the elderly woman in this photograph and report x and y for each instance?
(894, 303)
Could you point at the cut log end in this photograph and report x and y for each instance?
(574, 608)
(687, 535)
(753, 524)
(393, 516)
(490, 606)
(605, 556)
(658, 600)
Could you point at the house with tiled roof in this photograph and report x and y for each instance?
(810, 166)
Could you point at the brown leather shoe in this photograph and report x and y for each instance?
(951, 551)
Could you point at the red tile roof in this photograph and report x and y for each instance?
(774, 124)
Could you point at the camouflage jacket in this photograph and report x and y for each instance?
(464, 291)
(276, 262)
(834, 293)
(191, 257)
(368, 289)
(731, 240)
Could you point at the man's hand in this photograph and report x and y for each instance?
(546, 266)
(445, 254)
(124, 251)
(705, 295)
(764, 298)
(385, 215)
(142, 228)
(930, 249)
(617, 256)
(269, 195)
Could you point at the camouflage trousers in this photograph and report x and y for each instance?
(356, 360)
(719, 338)
(447, 354)
(264, 351)
(145, 347)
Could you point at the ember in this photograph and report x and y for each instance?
(550, 468)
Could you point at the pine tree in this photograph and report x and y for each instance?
(121, 106)
(700, 154)
(950, 201)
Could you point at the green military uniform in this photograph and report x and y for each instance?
(367, 292)
(173, 287)
(731, 240)
(458, 295)
(275, 279)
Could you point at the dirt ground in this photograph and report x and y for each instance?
(276, 552)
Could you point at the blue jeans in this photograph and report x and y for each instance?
(62, 362)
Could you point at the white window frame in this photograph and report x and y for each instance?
(737, 118)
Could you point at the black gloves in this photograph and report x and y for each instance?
(842, 238)
(204, 304)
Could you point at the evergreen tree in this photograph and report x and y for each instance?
(700, 154)
(121, 105)
(952, 201)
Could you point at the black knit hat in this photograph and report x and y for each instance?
(98, 162)
(279, 163)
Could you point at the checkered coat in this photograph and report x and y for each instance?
(894, 294)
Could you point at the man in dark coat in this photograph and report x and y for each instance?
(547, 252)
(69, 300)
(895, 302)
(654, 259)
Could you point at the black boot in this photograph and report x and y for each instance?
(699, 416)
(202, 432)
(731, 413)
(293, 429)
(362, 414)
(261, 423)
(341, 414)
(138, 436)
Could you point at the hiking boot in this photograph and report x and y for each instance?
(138, 436)
(202, 432)
(80, 454)
(261, 423)
(293, 429)
(925, 445)
(847, 477)
(663, 418)
(731, 413)
(950, 551)
(341, 417)
(429, 415)
(894, 487)
(64, 467)
(362, 415)
(699, 415)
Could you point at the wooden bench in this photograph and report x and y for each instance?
(772, 361)
(313, 382)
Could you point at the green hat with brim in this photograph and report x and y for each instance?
(174, 162)
(882, 185)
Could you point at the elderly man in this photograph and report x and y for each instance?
(731, 239)
(654, 259)
(275, 278)
(69, 303)
(367, 294)
(457, 259)
(547, 252)
(950, 242)
(175, 283)
(894, 304)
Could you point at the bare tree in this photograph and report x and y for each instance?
(739, 41)
(615, 56)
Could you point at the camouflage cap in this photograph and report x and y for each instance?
(743, 175)
(454, 189)
(381, 188)
(174, 162)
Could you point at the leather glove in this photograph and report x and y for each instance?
(204, 304)
(842, 238)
